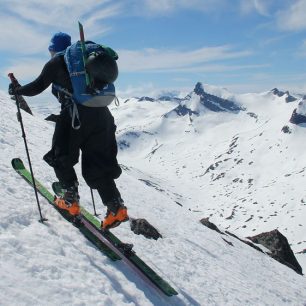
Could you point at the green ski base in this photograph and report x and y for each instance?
(115, 241)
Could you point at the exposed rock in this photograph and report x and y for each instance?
(146, 99)
(169, 98)
(204, 101)
(214, 103)
(228, 242)
(253, 115)
(277, 92)
(297, 118)
(143, 227)
(287, 95)
(274, 241)
(207, 223)
(279, 247)
(182, 110)
(286, 129)
(249, 243)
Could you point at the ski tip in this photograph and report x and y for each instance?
(17, 163)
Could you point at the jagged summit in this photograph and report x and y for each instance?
(146, 99)
(199, 101)
(199, 89)
(215, 103)
(286, 94)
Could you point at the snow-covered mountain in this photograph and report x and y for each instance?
(234, 165)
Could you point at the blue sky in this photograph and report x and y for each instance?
(243, 45)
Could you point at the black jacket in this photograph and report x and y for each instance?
(54, 72)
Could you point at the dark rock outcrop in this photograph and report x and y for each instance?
(214, 103)
(210, 102)
(183, 110)
(286, 129)
(297, 118)
(207, 223)
(143, 227)
(274, 241)
(169, 98)
(279, 247)
(280, 93)
(146, 99)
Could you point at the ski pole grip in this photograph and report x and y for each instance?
(12, 78)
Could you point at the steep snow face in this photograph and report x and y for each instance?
(161, 182)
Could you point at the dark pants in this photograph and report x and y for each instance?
(96, 139)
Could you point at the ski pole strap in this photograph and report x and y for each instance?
(75, 117)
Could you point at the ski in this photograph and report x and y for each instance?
(124, 250)
(83, 48)
(26, 175)
(105, 241)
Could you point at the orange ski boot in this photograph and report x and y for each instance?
(70, 201)
(72, 208)
(116, 214)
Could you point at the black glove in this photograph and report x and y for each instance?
(12, 88)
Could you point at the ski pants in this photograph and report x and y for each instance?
(96, 139)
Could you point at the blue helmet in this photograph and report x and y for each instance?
(59, 42)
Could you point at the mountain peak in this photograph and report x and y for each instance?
(279, 93)
(199, 89)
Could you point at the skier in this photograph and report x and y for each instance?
(95, 138)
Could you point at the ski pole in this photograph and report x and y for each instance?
(93, 202)
(19, 117)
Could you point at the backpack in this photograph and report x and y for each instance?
(89, 94)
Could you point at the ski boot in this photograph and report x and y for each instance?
(116, 214)
(69, 201)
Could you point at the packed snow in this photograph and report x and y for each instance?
(168, 180)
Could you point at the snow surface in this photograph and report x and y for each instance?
(164, 181)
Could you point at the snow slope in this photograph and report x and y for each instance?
(53, 264)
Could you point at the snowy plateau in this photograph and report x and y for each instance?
(212, 154)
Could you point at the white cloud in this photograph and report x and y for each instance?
(26, 68)
(261, 7)
(293, 18)
(26, 26)
(155, 59)
(18, 37)
(156, 7)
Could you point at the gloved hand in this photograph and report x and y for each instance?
(12, 88)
